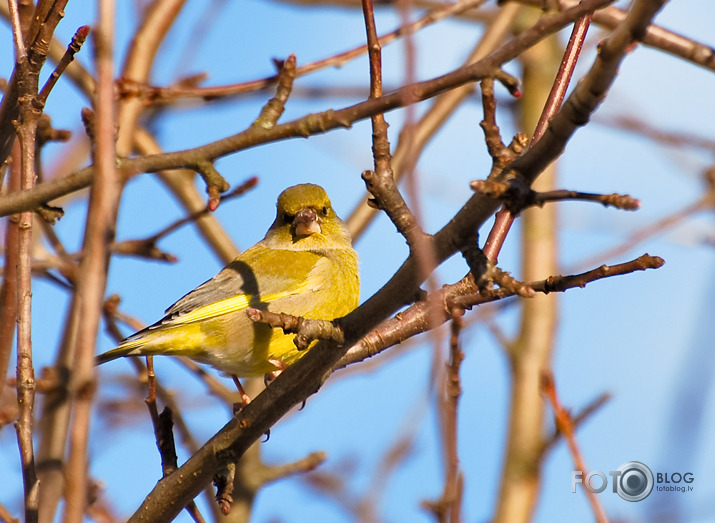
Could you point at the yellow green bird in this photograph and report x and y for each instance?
(305, 266)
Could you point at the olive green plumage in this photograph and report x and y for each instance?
(305, 266)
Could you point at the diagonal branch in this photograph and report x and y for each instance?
(467, 294)
(589, 92)
(311, 124)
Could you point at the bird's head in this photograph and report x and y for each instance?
(305, 216)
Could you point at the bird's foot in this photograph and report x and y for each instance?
(245, 399)
(270, 376)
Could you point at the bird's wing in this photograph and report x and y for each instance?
(277, 274)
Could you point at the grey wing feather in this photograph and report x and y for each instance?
(236, 278)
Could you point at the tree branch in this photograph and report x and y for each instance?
(308, 125)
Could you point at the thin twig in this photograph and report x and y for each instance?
(380, 182)
(565, 424)
(618, 201)
(215, 183)
(164, 94)
(163, 424)
(20, 51)
(147, 247)
(516, 202)
(8, 291)
(156, 390)
(656, 36)
(449, 507)
(564, 75)
(580, 418)
(273, 109)
(73, 48)
(6, 517)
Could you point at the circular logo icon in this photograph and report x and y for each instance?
(635, 482)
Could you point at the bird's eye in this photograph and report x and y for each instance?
(287, 218)
(325, 210)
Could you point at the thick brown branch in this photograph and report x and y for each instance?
(466, 294)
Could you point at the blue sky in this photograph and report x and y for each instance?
(635, 336)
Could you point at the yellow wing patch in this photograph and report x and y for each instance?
(233, 304)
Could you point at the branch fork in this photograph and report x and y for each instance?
(517, 196)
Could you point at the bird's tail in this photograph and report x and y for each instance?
(133, 346)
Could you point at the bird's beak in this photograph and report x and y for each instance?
(306, 222)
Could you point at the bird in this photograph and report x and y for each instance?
(305, 266)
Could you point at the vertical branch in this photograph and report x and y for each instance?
(73, 48)
(160, 16)
(381, 182)
(531, 351)
(56, 413)
(380, 143)
(504, 219)
(442, 108)
(20, 51)
(163, 433)
(26, 81)
(8, 291)
(453, 390)
(30, 57)
(564, 75)
(449, 507)
(99, 233)
(25, 370)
